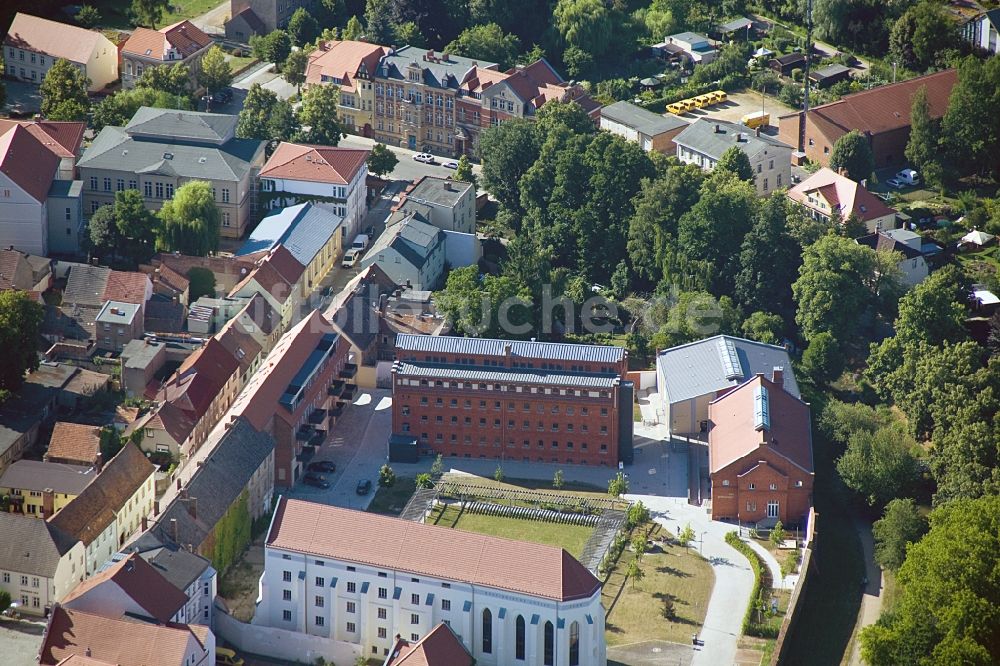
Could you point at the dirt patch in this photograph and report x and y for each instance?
(239, 586)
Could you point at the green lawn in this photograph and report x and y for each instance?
(570, 537)
(391, 501)
(239, 63)
(636, 613)
(114, 13)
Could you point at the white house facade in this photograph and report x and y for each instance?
(704, 142)
(364, 579)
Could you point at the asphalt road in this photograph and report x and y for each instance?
(407, 168)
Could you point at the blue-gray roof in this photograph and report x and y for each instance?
(640, 119)
(175, 125)
(411, 237)
(437, 72)
(543, 351)
(303, 229)
(706, 366)
(715, 137)
(504, 375)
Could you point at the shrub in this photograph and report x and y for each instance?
(424, 480)
(759, 583)
(386, 477)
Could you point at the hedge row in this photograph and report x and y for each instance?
(759, 574)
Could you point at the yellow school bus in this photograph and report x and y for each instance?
(756, 119)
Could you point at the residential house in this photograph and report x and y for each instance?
(331, 175)
(824, 77)
(738, 28)
(827, 195)
(410, 251)
(129, 587)
(226, 271)
(21, 417)
(261, 17)
(164, 315)
(760, 457)
(787, 64)
(312, 232)
(88, 290)
(351, 65)
(117, 324)
(690, 376)
(41, 489)
(704, 142)
(100, 639)
(24, 272)
(278, 278)
(36, 203)
(651, 131)
(882, 114)
(581, 388)
(982, 32)
(39, 564)
(33, 44)
(238, 474)
(697, 49)
(342, 574)
(75, 444)
(141, 360)
(192, 401)
(109, 510)
(63, 138)
(912, 264)
(243, 347)
(180, 43)
(357, 319)
(260, 320)
(161, 149)
(441, 645)
(449, 205)
(190, 573)
(170, 284)
(66, 385)
(299, 393)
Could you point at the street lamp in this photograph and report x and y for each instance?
(701, 542)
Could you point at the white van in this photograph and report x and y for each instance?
(360, 243)
(909, 177)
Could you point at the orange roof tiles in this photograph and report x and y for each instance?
(342, 60)
(185, 37)
(140, 581)
(127, 287)
(848, 196)
(62, 138)
(440, 647)
(317, 164)
(28, 162)
(200, 378)
(391, 543)
(75, 443)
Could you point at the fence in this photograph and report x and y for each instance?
(282, 644)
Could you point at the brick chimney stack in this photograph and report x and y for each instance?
(778, 376)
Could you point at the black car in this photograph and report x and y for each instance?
(222, 96)
(322, 466)
(364, 487)
(315, 480)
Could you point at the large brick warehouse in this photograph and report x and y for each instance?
(546, 402)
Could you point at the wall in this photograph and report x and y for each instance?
(461, 249)
(282, 644)
(805, 577)
(24, 219)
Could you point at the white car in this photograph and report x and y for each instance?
(450, 164)
(895, 183)
(426, 158)
(351, 258)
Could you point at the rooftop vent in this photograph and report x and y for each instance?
(168, 156)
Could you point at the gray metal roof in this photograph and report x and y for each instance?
(437, 72)
(505, 375)
(303, 229)
(174, 563)
(115, 150)
(175, 125)
(704, 367)
(431, 189)
(542, 351)
(116, 312)
(31, 545)
(411, 237)
(714, 137)
(828, 71)
(85, 285)
(640, 119)
(740, 23)
(38, 476)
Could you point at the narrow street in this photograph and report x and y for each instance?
(872, 598)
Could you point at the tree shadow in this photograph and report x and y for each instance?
(673, 572)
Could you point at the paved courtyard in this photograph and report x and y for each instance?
(20, 642)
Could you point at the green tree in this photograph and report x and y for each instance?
(378, 22)
(652, 227)
(736, 161)
(20, 328)
(88, 17)
(64, 92)
(102, 233)
(437, 467)
(148, 13)
(507, 152)
(135, 228)
(498, 474)
(618, 485)
(946, 611)
(386, 476)
(273, 47)
(382, 161)
(464, 172)
(764, 327)
(970, 128)
(255, 119)
(777, 534)
(921, 34)
(424, 480)
(283, 124)
(302, 27)
(318, 113)
(879, 466)
(637, 515)
(839, 420)
(4, 594)
(853, 153)
(686, 536)
(473, 303)
(409, 33)
(769, 261)
(202, 283)
(922, 147)
(557, 479)
(354, 30)
(173, 79)
(639, 546)
(294, 68)
(487, 42)
(634, 572)
(118, 109)
(823, 359)
(900, 525)
(585, 24)
(191, 220)
(215, 72)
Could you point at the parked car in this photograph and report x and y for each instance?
(450, 164)
(364, 487)
(222, 96)
(315, 480)
(227, 657)
(322, 466)
(351, 258)
(426, 158)
(908, 177)
(894, 183)
(360, 242)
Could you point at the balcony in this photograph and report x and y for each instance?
(317, 417)
(304, 432)
(337, 411)
(336, 389)
(348, 393)
(350, 371)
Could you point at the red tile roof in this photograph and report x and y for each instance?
(116, 641)
(139, 580)
(28, 162)
(415, 548)
(74, 443)
(126, 287)
(183, 36)
(277, 273)
(316, 164)
(62, 138)
(733, 433)
(200, 379)
(440, 647)
(342, 60)
(840, 191)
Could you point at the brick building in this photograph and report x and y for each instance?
(760, 453)
(547, 402)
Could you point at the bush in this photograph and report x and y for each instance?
(386, 477)
(750, 627)
(4, 599)
(796, 74)
(424, 480)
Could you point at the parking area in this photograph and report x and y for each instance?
(738, 105)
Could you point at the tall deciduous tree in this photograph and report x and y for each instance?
(464, 172)
(190, 221)
(879, 466)
(769, 261)
(764, 327)
(482, 306)
(136, 226)
(318, 115)
(88, 17)
(507, 152)
(148, 13)
(265, 117)
(487, 42)
(736, 161)
(354, 30)
(273, 47)
(302, 27)
(294, 68)
(173, 79)
(118, 109)
(922, 148)
(381, 160)
(971, 127)
(900, 525)
(585, 24)
(64, 92)
(102, 234)
(853, 153)
(923, 32)
(378, 21)
(215, 73)
(20, 326)
(823, 359)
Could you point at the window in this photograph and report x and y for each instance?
(382, 632)
(382, 613)
(6, 577)
(351, 607)
(414, 618)
(774, 486)
(120, 185)
(519, 638)
(415, 599)
(147, 190)
(320, 581)
(319, 601)
(752, 486)
(225, 195)
(286, 595)
(574, 644)
(132, 184)
(93, 182)
(350, 628)
(286, 615)
(170, 191)
(487, 631)
(445, 603)
(351, 587)
(414, 637)
(725, 482)
(286, 576)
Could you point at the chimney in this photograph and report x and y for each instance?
(48, 502)
(756, 130)
(778, 376)
(173, 529)
(183, 493)
(156, 508)
(447, 185)
(144, 523)
(444, 56)
(718, 128)
(178, 483)
(193, 507)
